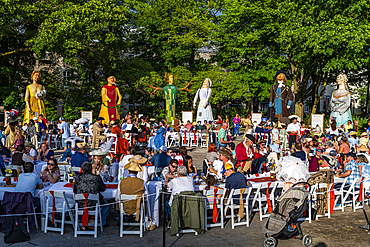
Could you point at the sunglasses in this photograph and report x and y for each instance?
(174, 166)
(50, 164)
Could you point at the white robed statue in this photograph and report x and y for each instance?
(204, 108)
(340, 101)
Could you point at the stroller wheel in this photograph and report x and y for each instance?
(307, 240)
(269, 242)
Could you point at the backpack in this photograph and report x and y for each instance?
(15, 230)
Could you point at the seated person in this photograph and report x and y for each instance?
(30, 151)
(212, 153)
(234, 180)
(299, 153)
(124, 160)
(45, 153)
(351, 169)
(86, 182)
(100, 167)
(181, 183)
(4, 151)
(29, 182)
(170, 172)
(51, 173)
(211, 181)
(161, 159)
(188, 164)
(19, 158)
(132, 185)
(80, 157)
(67, 155)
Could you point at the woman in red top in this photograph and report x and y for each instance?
(122, 143)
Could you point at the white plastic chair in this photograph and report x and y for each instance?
(230, 204)
(339, 194)
(315, 193)
(185, 139)
(194, 139)
(141, 223)
(261, 198)
(354, 194)
(63, 169)
(95, 210)
(220, 207)
(114, 146)
(63, 207)
(204, 140)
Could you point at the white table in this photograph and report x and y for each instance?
(154, 192)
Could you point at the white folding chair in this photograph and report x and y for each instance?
(61, 207)
(352, 194)
(230, 205)
(95, 210)
(185, 139)
(262, 199)
(339, 194)
(194, 138)
(121, 171)
(176, 139)
(204, 140)
(64, 169)
(141, 223)
(114, 146)
(315, 195)
(220, 207)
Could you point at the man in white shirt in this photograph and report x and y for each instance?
(226, 157)
(181, 183)
(293, 130)
(30, 151)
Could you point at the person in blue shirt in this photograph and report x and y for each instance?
(161, 159)
(29, 182)
(65, 131)
(159, 138)
(79, 157)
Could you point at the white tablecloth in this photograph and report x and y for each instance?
(154, 192)
(38, 167)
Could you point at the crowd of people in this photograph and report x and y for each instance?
(338, 148)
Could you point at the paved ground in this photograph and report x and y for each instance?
(342, 229)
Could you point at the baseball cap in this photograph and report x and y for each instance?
(163, 149)
(351, 154)
(228, 166)
(333, 153)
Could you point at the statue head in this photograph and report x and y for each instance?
(207, 83)
(342, 80)
(170, 79)
(35, 76)
(281, 76)
(111, 80)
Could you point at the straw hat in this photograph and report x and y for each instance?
(362, 148)
(134, 167)
(352, 133)
(308, 139)
(364, 134)
(152, 119)
(138, 158)
(194, 123)
(28, 144)
(278, 142)
(98, 152)
(261, 141)
(83, 145)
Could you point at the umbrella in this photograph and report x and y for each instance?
(292, 169)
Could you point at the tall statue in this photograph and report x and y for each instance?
(111, 100)
(170, 92)
(281, 96)
(35, 93)
(204, 108)
(340, 101)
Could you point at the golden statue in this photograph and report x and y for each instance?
(35, 93)
(170, 92)
(109, 94)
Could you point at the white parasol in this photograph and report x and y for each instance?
(292, 169)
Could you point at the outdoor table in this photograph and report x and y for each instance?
(38, 167)
(113, 171)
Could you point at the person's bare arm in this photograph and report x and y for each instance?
(40, 186)
(343, 175)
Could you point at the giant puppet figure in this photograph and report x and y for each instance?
(204, 108)
(111, 100)
(35, 93)
(340, 101)
(170, 92)
(281, 96)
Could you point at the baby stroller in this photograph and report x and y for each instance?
(283, 222)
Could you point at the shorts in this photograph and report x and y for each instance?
(64, 144)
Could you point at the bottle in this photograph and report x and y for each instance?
(197, 179)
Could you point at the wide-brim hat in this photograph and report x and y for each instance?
(134, 167)
(249, 136)
(152, 119)
(291, 117)
(352, 133)
(139, 159)
(362, 148)
(83, 145)
(277, 142)
(331, 161)
(364, 134)
(308, 139)
(275, 148)
(28, 144)
(194, 123)
(261, 141)
(100, 118)
(99, 152)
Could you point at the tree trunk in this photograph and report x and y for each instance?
(299, 101)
